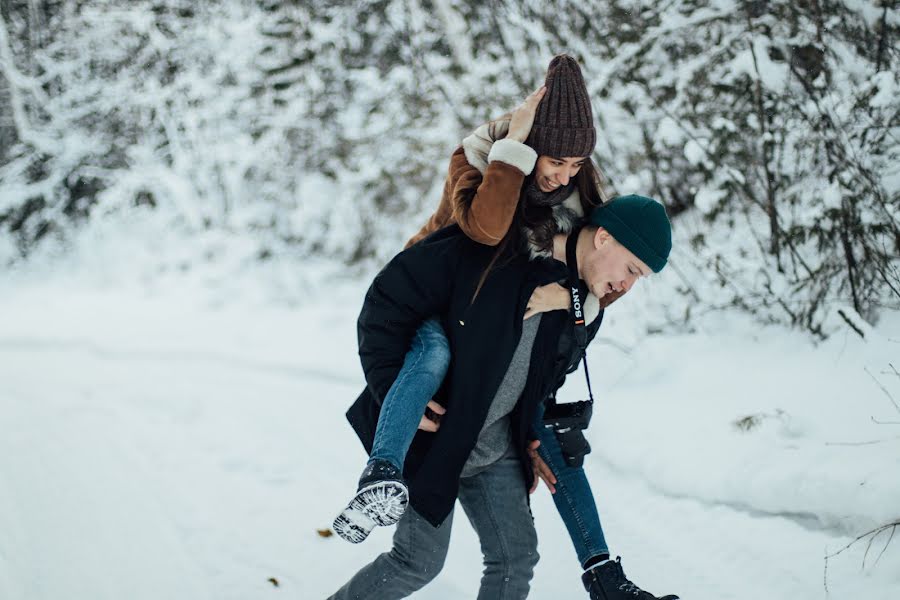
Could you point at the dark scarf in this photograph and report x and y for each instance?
(535, 197)
(540, 210)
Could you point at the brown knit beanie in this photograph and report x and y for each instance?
(563, 123)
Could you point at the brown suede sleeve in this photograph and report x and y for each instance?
(485, 211)
(483, 206)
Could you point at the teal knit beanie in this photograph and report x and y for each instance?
(640, 224)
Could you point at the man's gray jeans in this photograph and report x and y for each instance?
(496, 503)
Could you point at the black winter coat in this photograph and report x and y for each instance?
(438, 276)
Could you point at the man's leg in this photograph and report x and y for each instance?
(416, 558)
(496, 503)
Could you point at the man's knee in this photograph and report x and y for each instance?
(419, 567)
(530, 561)
(515, 562)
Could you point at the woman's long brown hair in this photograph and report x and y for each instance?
(539, 219)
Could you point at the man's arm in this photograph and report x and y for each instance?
(415, 285)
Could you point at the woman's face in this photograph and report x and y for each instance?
(551, 172)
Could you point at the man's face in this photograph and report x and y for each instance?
(551, 173)
(611, 267)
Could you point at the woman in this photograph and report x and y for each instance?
(533, 170)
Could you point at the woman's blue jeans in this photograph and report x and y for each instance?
(418, 381)
(573, 498)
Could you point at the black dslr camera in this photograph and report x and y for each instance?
(568, 422)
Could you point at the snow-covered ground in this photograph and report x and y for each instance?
(153, 446)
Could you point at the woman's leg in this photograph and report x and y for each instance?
(381, 495)
(423, 371)
(573, 498)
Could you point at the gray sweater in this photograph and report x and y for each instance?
(495, 439)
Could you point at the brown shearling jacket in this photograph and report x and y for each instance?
(482, 206)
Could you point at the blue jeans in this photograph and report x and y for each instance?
(573, 498)
(496, 503)
(423, 371)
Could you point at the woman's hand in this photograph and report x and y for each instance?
(546, 298)
(432, 423)
(523, 116)
(540, 469)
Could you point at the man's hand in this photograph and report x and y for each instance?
(540, 468)
(546, 298)
(430, 424)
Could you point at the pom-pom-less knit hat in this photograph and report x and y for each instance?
(563, 123)
(640, 224)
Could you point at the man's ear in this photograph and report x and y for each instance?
(601, 237)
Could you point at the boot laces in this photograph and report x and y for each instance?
(626, 584)
(630, 588)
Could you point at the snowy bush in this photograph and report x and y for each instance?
(144, 99)
(772, 120)
(768, 128)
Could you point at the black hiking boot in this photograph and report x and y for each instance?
(380, 499)
(608, 582)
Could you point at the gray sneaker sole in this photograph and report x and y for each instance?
(378, 504)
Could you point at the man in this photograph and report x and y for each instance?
(503, 369)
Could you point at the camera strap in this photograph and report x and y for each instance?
(577, 310)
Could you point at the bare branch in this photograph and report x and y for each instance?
(875, 531)
(851, 323)
(869, 443)
(890, 537)
(884, 389)
(868, 547)
(871, 534)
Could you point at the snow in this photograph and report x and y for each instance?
(886, 84)
(694, 152)
(154, 446)
(755, 63)
(707, 198)
(173, 379)
(668, 131)
(831, 196)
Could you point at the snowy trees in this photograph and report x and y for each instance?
(126, 104)
(778, 120)
(770, 128)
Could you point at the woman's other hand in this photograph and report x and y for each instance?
(546, 298)
(523, 117)
(432, 422)
(540, 469)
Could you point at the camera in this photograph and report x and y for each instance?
(568, 422)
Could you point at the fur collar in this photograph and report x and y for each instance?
(477, 147)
